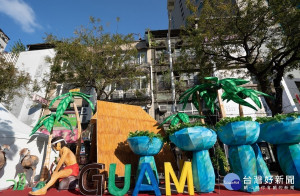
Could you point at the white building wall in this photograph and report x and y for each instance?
(33, 62)
(289, 101)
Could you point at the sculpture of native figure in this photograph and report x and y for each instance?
(68, 158)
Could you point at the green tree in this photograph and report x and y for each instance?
(11, 81)
(261, 36)
(94, 58)
(66, 100)
(18, 47)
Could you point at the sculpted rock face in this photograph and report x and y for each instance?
(286, 135)
(198, 139)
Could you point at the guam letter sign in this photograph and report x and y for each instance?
(186, 175)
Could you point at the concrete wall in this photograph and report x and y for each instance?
(289, 102)
(35, 64)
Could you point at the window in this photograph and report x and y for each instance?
(139, 83)
(142, 58)
(164, 81)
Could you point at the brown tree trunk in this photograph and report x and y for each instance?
(241, 111)
(278, 93)
(274, 105)
(45, 169)
(78, 146)
(223, 113)
(200, 108)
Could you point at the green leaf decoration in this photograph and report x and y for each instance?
(175, 121)
(195, 101)
(264, 94)
(229, 86)
(238, 81)
(81, 94)
(167, 119)
(241, 101)
(38, 124)
(196, 116)
(49, 122)
(56, 98)
(183, 117)
(90, 103)
(66, 123)
(62, 106)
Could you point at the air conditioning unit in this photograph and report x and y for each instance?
(162, 108)
(118, 94)
(130, 94)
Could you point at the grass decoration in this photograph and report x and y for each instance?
(147, 133)
(179, 117)
(225, 121)
(277, 118)
(180, 126)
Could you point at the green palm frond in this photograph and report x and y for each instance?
(235, 98)
(183, 117)
(175, 121)
(169, 118)
(38, 124)
(48, 122)
(66, 123)
(62, 106)
(68, 99)
(237, 81)
(58, 97)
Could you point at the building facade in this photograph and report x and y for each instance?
(180, 13)
(3, 40)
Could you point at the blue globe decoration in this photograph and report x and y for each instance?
(146, 147)
(199, 140)
(286, 135)
(239, 133)
(239, 136)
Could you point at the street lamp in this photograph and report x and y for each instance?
(170, 7)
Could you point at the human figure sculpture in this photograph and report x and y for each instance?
(68, 158)
(28, 162)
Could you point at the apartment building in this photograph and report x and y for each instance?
(180, 13)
